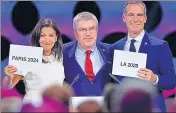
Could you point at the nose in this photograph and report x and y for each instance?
(88, 32)
(135, 18)
(47, 39)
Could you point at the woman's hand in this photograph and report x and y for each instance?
(10, 71)
(11, 79)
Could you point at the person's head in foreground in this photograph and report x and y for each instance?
(48, 105)
(133, 96)
(89, 106)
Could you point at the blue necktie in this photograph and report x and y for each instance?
(132, 47)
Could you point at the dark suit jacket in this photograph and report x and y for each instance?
(159, 60)
(83, 87)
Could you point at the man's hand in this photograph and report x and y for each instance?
(147, 74)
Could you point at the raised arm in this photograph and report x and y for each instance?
(11, 79)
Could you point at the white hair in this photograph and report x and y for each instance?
(83, 16)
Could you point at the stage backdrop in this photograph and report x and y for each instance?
(19, 18)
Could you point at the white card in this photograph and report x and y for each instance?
(76, 101)
(23, 56)
(127, 63)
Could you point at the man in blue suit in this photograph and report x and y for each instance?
(84, 60)
(159, 67)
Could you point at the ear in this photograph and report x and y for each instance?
(145, 19)
(56, 38)
(124, 17)
(75, 33)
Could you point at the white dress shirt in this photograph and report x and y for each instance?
(95, 56)
(137, 45)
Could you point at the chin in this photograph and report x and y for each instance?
(136, 30)
(47, 49)
(89, 43)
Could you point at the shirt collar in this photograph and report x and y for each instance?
(84, 50)
(138, 38)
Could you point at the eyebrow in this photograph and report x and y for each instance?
(89, 27)
(130, 14)
(136, 14)
(140, 14)
(92, 27)
(49, 33)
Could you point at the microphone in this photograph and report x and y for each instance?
(109, 62)
(114, 78)
(75, 80)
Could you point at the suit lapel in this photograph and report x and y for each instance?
(121, 47)
(144, 44)
(71, 52)
(122, 44)
(102, 51)
(77, 67)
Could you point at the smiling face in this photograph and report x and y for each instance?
(86, 33)
(135, 18)
(47, 38)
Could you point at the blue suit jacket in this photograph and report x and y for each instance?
(83, 87)
(159, 60)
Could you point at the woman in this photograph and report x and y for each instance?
(46, 35)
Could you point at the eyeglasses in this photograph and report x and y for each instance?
(84, 30)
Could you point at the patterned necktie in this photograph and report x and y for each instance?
(132, 47)
(88, 66)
